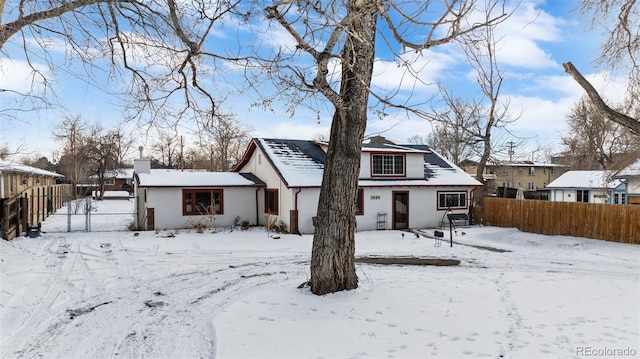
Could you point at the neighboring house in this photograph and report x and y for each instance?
(584, 186)
(119, 179)
(278, 180)
(168, 199)
(27, 196)
(15, 178)
(532, 177)
(630, 193)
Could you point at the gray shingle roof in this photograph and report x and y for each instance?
(300, 163)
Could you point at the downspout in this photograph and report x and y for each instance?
(473, 195)
(135, 203)
(257, 208)
(136, 223)
(296, 199)
(473, 215)
(296, 209)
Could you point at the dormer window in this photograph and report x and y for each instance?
(387, 165)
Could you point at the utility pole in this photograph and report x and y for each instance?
(211, 162)
(75, 160)
(181, 154)
(511, 152)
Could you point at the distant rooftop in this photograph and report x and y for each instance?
(585, 179)
(630, 171)
(9, 166)
(515, 164)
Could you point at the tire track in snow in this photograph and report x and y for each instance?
(18, 340)
(136, 313)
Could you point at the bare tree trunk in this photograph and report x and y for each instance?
(100, 195)
(333, 252)
(632, 124)
(480, 193)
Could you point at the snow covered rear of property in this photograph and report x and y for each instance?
(233, 294)
(112, 214)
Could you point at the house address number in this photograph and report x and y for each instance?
(375, 197)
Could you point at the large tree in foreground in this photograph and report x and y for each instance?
(341, 36)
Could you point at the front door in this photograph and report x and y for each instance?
(400, 210)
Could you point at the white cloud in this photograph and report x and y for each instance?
(611, 88)
(544, 118)
(412, 72)
(16, 75)
(519, 37)
(278, 38)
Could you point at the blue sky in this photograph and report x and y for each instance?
(534, 43)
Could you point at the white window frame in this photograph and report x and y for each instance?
(457, 205)
(388, 165)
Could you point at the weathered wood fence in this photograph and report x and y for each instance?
(616, 223)
(30, 207)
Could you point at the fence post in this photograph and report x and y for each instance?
(87, 213)
(69, 215)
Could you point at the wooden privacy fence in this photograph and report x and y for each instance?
(611, 222)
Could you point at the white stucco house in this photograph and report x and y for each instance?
(584, 186)
(170, 199)
(630, 176)
(400, 187)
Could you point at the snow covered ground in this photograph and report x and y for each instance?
(184, 294)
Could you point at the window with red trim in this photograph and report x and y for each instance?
(271, 201)
(387, 165)
(360, 202)
(198, 202)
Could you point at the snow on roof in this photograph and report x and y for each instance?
(441, 171)
(9, 166)
(300, 163)
(631, 170)
(529, 164)
(585, 179)
(448, 174)
(386, 147)
(120, 173)
(173, 178)
(112, 194)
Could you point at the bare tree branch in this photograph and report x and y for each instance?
(630, 123)
(158, 44)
